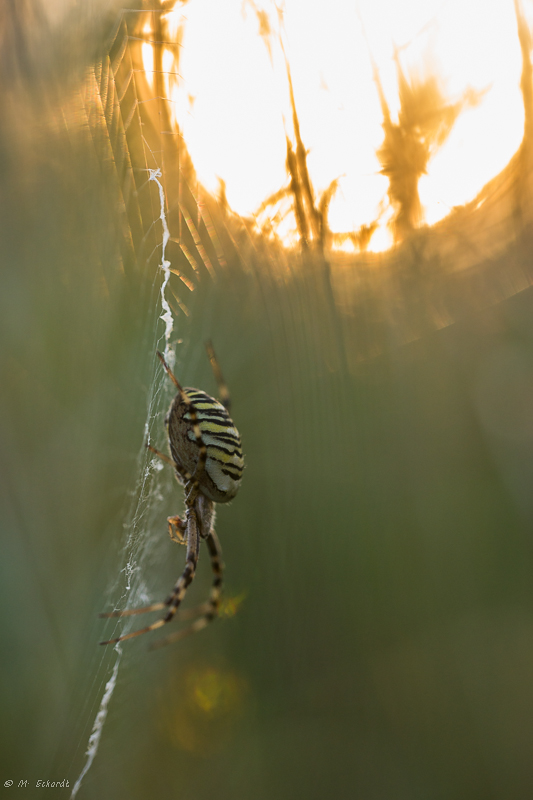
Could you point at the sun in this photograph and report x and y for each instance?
(232, 105)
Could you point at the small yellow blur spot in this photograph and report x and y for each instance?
(229, 606)
(201, 707)
(214, 692)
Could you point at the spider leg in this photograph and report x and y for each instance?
(207, 611)
(169, 372)
(174, 600)
(182, 614)
(221, 383)
(130, 612)
(161, 455)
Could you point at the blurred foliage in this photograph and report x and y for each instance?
(380, 548)
(425, 120)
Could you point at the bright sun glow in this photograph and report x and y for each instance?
(232, 100)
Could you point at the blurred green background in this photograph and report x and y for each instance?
(380, 546)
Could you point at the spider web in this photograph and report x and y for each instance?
(165, 231)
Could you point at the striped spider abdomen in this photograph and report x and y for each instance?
(221, 477)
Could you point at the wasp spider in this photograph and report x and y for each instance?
(206, 454)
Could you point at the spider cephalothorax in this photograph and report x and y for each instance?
(206, 454)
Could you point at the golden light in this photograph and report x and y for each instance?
(231, 101)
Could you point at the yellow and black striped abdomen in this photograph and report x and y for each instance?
(224, 463)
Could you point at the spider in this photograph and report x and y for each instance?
(206, 454)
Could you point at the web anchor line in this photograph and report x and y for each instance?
(166, 316)
(98, 725)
